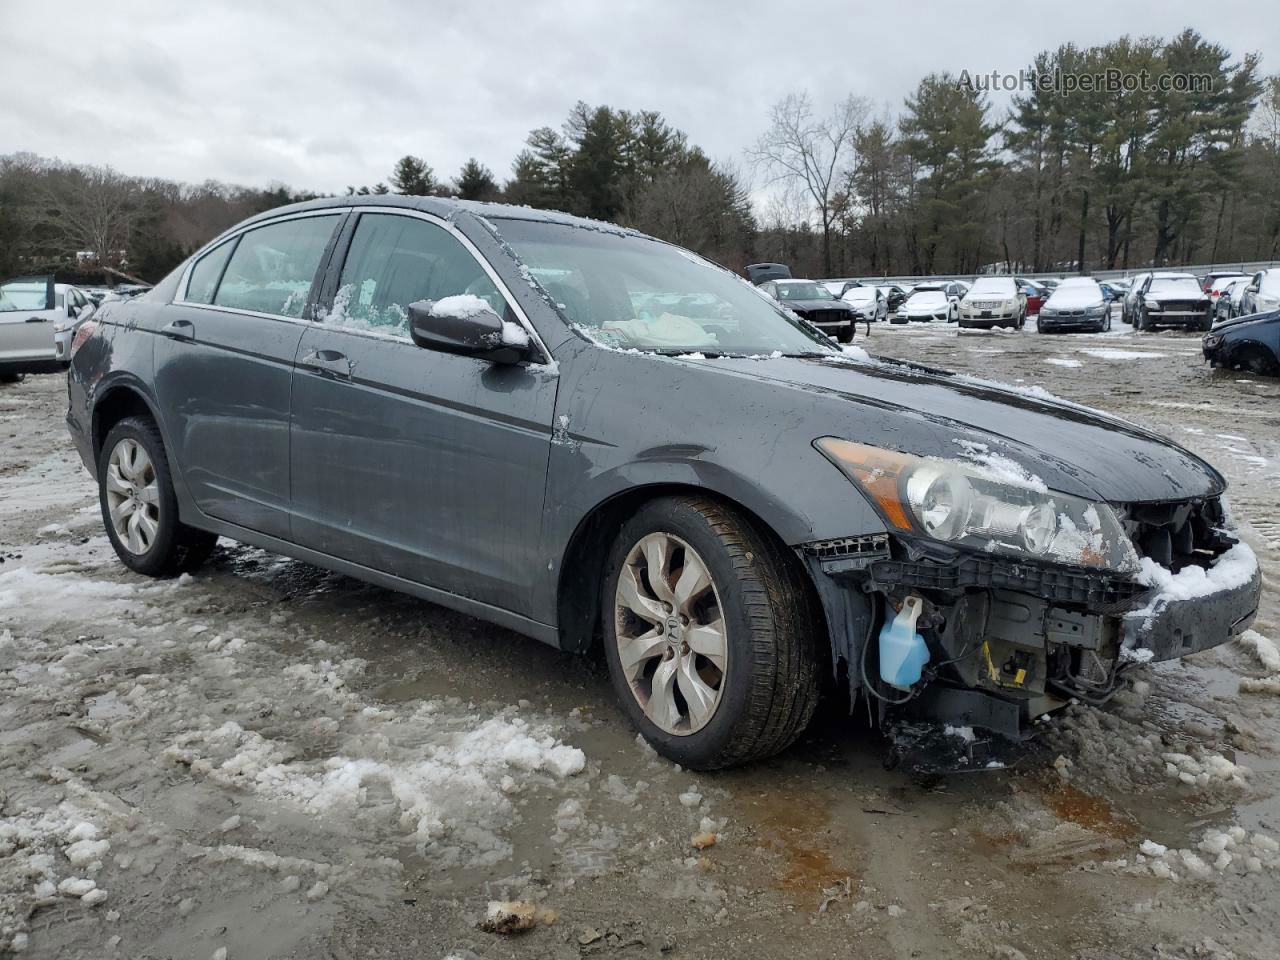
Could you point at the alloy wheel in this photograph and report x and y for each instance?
(133, 496)
(671, 635)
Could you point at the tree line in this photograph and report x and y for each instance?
(1064, 179)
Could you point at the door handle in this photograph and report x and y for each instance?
(179, 329)
(328, 362)
(37, 319)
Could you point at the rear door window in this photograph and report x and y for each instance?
(396, 260)
(203, 281)
(273, 267)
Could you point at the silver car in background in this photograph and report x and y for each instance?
(38, 319)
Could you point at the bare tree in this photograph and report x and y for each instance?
(804, 149)
(87, 210)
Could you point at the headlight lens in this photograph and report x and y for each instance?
(986, 503)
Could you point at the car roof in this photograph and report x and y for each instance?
(446, 208)
(1166, 275)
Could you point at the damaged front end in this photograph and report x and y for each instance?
(1011, 635)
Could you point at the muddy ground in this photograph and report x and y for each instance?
(275, 761)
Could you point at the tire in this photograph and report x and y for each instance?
(767, 685)
(168, 546)
(12, 377)
(845, 336)
(1256, 360)
(1206, 324)
(1140, 321)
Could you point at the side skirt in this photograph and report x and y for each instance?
(547, 633)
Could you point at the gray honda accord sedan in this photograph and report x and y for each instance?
(591, 436)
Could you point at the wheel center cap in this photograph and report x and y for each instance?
(673, 628)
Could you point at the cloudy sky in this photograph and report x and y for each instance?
(319, 94)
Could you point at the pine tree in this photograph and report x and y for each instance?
(475, 181)
(414, 177)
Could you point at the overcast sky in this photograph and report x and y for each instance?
(320, 94)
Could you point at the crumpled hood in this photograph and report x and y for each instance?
(929, 412)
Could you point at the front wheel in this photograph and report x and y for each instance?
(139, 506)
(710, 634)
(12, 377)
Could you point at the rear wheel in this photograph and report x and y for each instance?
(139, 506)
(12, 377)
(710, 634)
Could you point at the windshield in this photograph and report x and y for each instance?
(24, 294)
(804, 291)
(860, 294)
(633, 292)
(1187, 287)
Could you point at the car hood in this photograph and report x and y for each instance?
(1074, 300)
(928, 412)
(814, 304)
(1225, 325)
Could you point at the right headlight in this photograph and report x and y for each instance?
(988, 504)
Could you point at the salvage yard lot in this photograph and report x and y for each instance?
(280, 761)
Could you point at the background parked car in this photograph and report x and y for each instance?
(1077, 304)
(758, 273)
(1229, 299)
(993, 302)
(1263, 292)
(894, 294)
(928, 302)
(1035, 294)
(1129, 303)
(38, 318)
(868, 303)
(1173, 300)
(1215, 281)
(1249, 343)
(817, 304)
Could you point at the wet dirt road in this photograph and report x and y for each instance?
(272, 760)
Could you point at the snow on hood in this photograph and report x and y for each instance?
(928, 300)
(1075, 297)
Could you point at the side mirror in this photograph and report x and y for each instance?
(466, 325)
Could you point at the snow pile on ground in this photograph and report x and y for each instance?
(1217, 851)
(443, 779)
(1269, 656)
(1204, 768)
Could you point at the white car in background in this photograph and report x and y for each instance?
(993, 302)
(1077, 303)
(38, 319)
(868, 303)
(1263, 293)
(929, 302)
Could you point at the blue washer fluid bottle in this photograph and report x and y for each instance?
(903, 652)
